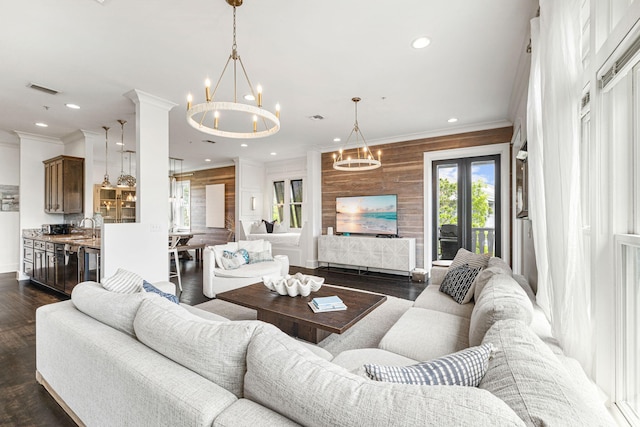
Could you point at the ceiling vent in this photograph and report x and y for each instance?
(43, 89)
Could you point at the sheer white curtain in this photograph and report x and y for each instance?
(553, 123)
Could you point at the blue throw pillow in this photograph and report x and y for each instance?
(466, 368)
(150, 288)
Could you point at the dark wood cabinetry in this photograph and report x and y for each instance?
(64, 185)
(51, 264)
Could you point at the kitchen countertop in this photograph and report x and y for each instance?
(76, 239)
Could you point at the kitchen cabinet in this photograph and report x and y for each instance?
(54, 265)
(27, 257)
(39, 270)
(117, 204)
(64, 185)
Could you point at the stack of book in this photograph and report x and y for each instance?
(323, 304)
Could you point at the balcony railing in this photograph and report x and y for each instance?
(483, 241)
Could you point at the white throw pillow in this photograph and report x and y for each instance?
(280, 228)
(258, 227)
(124, 282)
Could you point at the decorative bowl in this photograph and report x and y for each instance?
(298, 284)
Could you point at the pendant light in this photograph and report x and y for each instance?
(196, 114)
(106, 183)
(360, 160)
(124, 180)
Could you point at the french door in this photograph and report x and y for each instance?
(466, 206)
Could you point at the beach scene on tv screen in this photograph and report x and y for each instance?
(367, 214)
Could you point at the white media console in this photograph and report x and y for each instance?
(396, 255)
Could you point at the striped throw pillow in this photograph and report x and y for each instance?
(124, 282)
(466, 368)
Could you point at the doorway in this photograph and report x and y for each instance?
(466, 206)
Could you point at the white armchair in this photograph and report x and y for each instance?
(218, 279)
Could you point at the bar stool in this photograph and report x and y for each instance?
(173, 249)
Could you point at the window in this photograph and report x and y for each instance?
(182, 206)
(627, 338)
(465, 206)
(288, 193)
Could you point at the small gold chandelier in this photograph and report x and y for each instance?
(363, 160)
(196, 114)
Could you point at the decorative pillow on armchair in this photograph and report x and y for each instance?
(232, 260)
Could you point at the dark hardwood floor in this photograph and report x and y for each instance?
(23, 402)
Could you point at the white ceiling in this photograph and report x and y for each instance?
(310, 56)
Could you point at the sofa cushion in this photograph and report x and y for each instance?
(215, 350)
(269, 268)
(483, 278)
(433, 299)
(422, 334)
(458, 283)
(255, 245)
(111, 308)
(502, 298)
(465, 367)
(245, 413)
(499, 262)
(525, 374)
(524, 284)
(123, 281)
(464, 256)
(314, 392)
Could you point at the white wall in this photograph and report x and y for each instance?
(250, 177)
(9, 221)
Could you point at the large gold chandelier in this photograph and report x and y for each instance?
(363, 159)
(265, 123)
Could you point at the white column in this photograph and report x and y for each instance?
(143, 247)
(152, 147)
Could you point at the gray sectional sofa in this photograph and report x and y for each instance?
(138, 359)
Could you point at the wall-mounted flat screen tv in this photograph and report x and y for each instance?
(367, 214)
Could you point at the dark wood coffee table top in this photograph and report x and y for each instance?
(275, 308)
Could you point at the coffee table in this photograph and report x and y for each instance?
(293, 314)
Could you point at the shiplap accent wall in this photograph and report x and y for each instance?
(199, 180)
(402, 173)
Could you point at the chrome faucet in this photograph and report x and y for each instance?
(93, 226)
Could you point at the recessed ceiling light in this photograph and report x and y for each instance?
(207, 160)
(249, 97)
(336, 140)
(42, 125)
(274, 153)
(452, 120)
(243, 145)
(421, 42)
(119, 143)
(73, 106)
